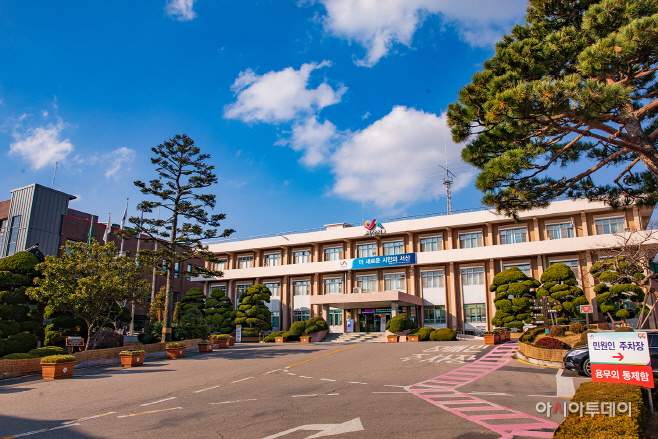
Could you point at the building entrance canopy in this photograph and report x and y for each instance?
(380, 299)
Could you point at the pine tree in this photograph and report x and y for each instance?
(513, 312)
(575, 84)
(560, 285)
(619, 278)
(182, 171)
(219, 311)
(253, 312)
(194, 298)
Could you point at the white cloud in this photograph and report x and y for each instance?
(381, 162)
(44, 113)
(181, 10)
(365, 116)
(41, 146)
(282, 96)
(313, 138)
(378, 25)
(120, 160)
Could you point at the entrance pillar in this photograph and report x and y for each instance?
(394, 309)
(325, 313)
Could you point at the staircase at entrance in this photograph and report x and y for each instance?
(356, 337)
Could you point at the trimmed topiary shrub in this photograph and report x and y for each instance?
(219, 312)
(443, 334)
(194, 298)
(46, 351)
(22, 342)
(551, 343)
(271, 338)
(192, 325)
(315, 324)
(560, 285)
(618, 284)
(604, 426)
(556, 331)
(577, 328)
(624, 329)
(530, 335)
(17, 356)
(513, 301)
(105, 338)
(252, 312)
(400, 323)
(175, 344)
(423, 333)
(297, 328)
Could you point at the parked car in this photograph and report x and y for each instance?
(577, 359)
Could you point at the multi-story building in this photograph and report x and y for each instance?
(36, 214)
(436, 268)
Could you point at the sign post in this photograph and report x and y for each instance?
(587, 310)
(620, 357)
(542, 305)
(238, 333)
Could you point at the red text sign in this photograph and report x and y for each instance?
(622, 373)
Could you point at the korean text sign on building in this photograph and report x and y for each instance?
(377, 261)
(620, 357)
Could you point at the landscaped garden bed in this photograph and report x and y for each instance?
(549, 349)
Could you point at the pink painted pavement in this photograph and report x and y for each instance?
(441, 391)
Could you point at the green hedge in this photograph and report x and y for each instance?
(271, 338)
(46, 351)
(603, 426)
(58, 359)
(444, 334)
(17, 356)
(400, 323)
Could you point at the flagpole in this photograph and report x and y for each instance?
(123, 222)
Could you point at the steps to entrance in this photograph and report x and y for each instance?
(356, 337)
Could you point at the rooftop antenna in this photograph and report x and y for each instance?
(52, 186)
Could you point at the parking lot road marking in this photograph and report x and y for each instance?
(243, 379)
(290, 373)
(87, 418)
(272, 371)
(301, 376)
(390, 392)
(356, 382)
(393, 385)
(326, 379)
(207, 388)
(325, 429)
(546, 396)
(490, 393)
(152, 411)
(311, 359)
(316, 394)
(231, 402)
(156, 402)
(30, 433)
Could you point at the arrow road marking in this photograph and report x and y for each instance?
(325, 429)
(619, 355)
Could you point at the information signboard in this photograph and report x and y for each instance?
(377, 261)
(75, 341)
(620, 357)
(238, 333)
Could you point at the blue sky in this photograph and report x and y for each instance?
(306, 107)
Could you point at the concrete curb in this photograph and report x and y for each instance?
(520, 356)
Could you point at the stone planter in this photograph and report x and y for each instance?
(205, 347)
(412, 338)
(392, 338)
(222, 344)
(55, 371)
(174, 353)
(280, 339)
(305, 338)
(132, 360)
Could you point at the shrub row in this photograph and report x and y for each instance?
(551, 343)
(603, 426)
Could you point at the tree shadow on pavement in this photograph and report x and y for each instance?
(14, 426)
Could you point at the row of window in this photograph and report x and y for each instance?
(473, 313)
(430, 244)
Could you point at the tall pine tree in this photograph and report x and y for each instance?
(574, 85)
(182, 173)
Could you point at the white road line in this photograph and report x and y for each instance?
(290, 373)
(490, 393)
(207, 388)
(356, 382)
(546, 396)
(87, 418)
(152, 411)
(316, 394)
(155, 402)
(30, 433)
(392, 385)
(304, 377)
(285, 370)
(243, 379)
(391, 392)
(272, 371)
(326, 379)
(231, 402)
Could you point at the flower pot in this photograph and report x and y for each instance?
(496, 338)
(489, 339)
(280, 339)
(132, 360)
(174, 353)
(205, 347)
(508, 334)
(392, 338)
(222, 344)
(231, 342)
(305, 338)
(55, 371)
(412, 338)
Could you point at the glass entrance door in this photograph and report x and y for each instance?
(370, 323)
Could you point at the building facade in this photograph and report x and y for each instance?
(436, 268)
